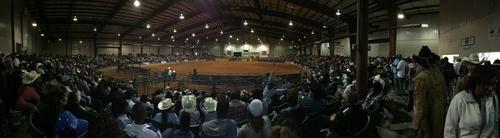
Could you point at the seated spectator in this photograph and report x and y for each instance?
(119, 110)
(139, 128)
(222, 127)
(68, 126)
(28, 97)
(167, 117)
(183, 130)
(208, 108)
(237, 109)
(258, 125)
(352, 121)
(104, 126)
(74, 106)
(189, 105)
(282, 132)
(144, 99)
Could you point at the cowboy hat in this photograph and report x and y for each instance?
(188, 103)
(473, 58)
(210, 104)
(165, 104)
(30, 77)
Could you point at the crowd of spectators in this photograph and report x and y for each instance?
(62, 96)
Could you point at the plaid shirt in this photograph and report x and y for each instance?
(237, 111)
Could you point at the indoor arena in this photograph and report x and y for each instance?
(249, 68)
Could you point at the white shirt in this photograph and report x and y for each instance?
(401, 69)
(464, 117)
(141, 131)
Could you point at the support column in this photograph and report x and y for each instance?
(158, 51)
(12, 25)
(142, 47)
(392, 34)
(332, 48)
(171, 51)
(67, 46)
(95, 46)
(318, 49)
(362, 49)
(120, 48)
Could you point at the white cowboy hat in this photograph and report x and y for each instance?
(473, 58)
(210, 104)
(188, 103)
(30, 77)
(165, 104)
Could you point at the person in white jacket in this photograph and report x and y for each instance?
(474, 112)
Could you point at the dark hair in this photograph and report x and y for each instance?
(144, 98)
(185, 120)
(377, 86)
(139, 111)
(481, 74)
(119, 107)
(222, 108)
(235, 95)
(104, 127)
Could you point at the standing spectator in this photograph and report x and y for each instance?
(258, 125)
(474, 112)
(222, 127)
(401, 69)
(139, 128)
(468, 66)
(430, 88)
(183, 131)
(237, 109)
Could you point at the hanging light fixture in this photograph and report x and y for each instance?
(118, 34)
(42, 34)
(230, 36)
(221, 32)
(216, 39)
(251, 31)
(158, 39)
(181, 16)
(424, 25)
(193, 34)
(60, 39)
(148, 26)
(206, 26)
(281, 39)
(95, 29)
(324, 26)
(172, 37)
(237, 39)
(312, 32)
(337, 13)
(175, 30)
(81, 41)
(153, 34)
(401, 15)
(137, 3)
(75, 19)
(290, 23)
(34, 24)
(245, 23)
(187, 39)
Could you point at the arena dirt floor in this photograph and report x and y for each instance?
(220, 68)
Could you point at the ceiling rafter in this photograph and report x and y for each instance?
(110, 16)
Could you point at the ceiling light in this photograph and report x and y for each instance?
(34, 24)
(137, 3)
(304, 36)
(81, 41)
(401, 16)
(206, 37)
(140, 37)
(60, 39)
(312, 32)
(424, 25)
(337, 13)
(159, 39)
(148, 26)
(245, 23)
(290, 23)
(181, 16)
(206, 26)
(281, 39)
(230, 36)
(153, 34)
(237, 39)
(173, 40)
(95, 29)
(324, 26)
(299, 40)
(251, 31)
(221, 32)
(283, 36)
(175, 30)
(75, 19)
(258, 39)
(216, 39)
(172, 37)
(42, 34)
(187, 39)
(118, 34)
(193, 34)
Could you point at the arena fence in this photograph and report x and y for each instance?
(148, 82)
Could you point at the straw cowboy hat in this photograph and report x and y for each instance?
(473, 58)
(188, 103)
(30, 77)
(210, 104)
(165, 104)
